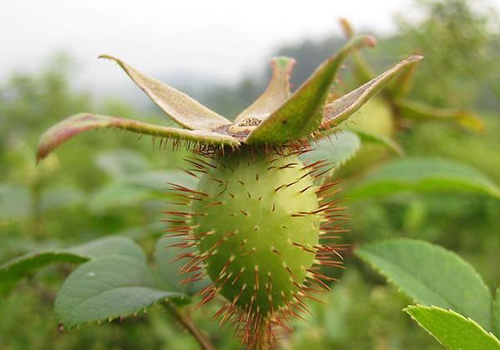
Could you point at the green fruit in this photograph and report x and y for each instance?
(375, 116)
(251, 227)
(256, 220)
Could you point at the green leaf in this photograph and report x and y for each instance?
(423, 175)
(12, 271)
(452, 330)
(180, 107)
(79, 123)
(337, 149)
(496, 314)
(113, 245)
(342, 108)
(431, 275)
(301, 114)
(367, 136)
(169, 267)
(107, 288)
(277, 92)
(421, 112)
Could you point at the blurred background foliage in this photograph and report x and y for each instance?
(110, 183)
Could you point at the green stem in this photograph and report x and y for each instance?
(189, 325)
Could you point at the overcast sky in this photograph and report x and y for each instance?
(214, 38)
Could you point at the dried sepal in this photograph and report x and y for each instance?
(401, 85)
(301, 114)
(276, 93)
(183, 109)
(82, 122)
(342, 108)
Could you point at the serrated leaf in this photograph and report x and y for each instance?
(12, 271)
(452, 330)
(165, 254)
(431, 275)
(367, 136)
(496, 314)
(342, 108)
(183, 109)
(423, 175)
(421, 112)
(301, 114)
(82, 122)
(337, 149)
(107, 288)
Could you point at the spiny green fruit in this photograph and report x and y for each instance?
(257, 220)
(252, 231)
(261, 221)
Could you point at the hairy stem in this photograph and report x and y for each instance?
(189, 325)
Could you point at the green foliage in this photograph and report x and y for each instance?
(97, 186)
(461, 49)
(453, 330)
(431, 275)
(107, 288)
(423, 175)
(496, 314)
(359, 315)
(12, 271)
(39, 99)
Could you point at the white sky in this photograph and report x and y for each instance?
(214, 38)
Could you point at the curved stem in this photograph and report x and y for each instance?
(189, 325)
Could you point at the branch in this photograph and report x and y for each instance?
(189, 325)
